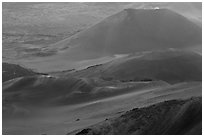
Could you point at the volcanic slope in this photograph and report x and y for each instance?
(54, 91)
(172, 66)
(169, 117)
(11, 71)
(133, 30)
(129, 31)
(67, 118)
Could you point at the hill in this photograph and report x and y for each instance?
(11, 71)
(134, 30)
(27, 34)
(54, 91)
(64, 119)
(172, 117)
(129, 31)
(172, 66)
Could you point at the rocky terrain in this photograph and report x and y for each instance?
(172, 117)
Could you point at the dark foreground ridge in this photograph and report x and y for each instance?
(172, 117)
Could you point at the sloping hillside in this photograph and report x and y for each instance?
(133, 30)
(172, 117)
(129, 31)
(52, 91)
(11, 71)
(172, 66)
(21, 118)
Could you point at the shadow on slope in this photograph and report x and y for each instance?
(11, 71)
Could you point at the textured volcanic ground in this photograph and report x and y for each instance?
(172, 117)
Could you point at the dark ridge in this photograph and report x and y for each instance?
(11, 71)
(129, 10)
(94, 66)
(174, 117)
(84, 131)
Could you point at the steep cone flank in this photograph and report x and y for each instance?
(137, 30)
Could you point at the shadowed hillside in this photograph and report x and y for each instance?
(52, 91)
(11, 71)
(172, 117)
